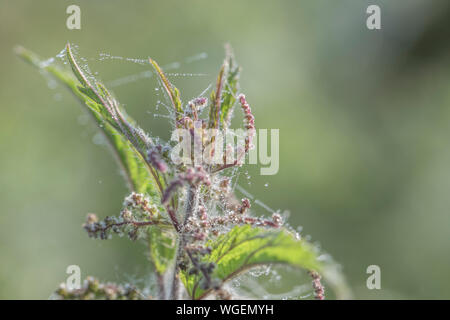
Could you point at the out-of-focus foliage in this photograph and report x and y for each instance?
(363, 118)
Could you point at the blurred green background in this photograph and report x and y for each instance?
(363, 118)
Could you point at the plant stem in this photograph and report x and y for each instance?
(161, 289)
(191, 207)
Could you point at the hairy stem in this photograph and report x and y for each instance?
(191, 206)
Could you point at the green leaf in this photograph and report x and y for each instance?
(171, 90)
(224, 96)
(216, 98)
(245, 247)
(162, 243)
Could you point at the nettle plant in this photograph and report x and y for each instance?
(199, 234)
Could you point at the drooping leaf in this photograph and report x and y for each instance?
(245, 247)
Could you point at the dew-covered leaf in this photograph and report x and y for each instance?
(171, 91)
(245, 247)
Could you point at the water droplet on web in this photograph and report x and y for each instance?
(62, 54)
(46, 63)
(186, 74)
(266, 185)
